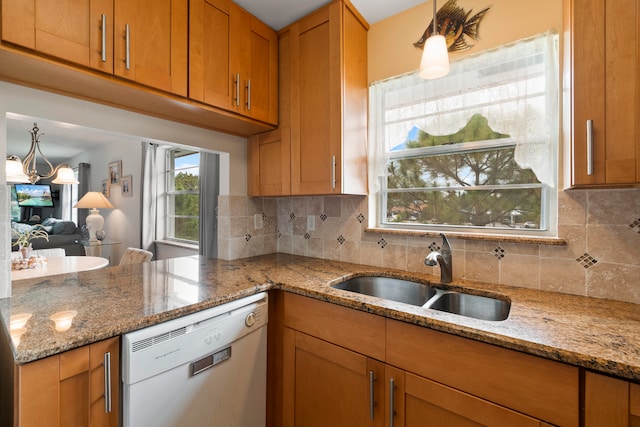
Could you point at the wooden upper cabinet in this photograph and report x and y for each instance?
(328, 101)
(78, 31)
(604, 58)
(233, 61)
(151, 43)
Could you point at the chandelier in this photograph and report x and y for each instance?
(26, 171)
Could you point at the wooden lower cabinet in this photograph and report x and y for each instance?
(344, 367)
(610, 401)
(68, 389)
(330, 385)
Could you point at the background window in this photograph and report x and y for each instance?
(182, 190)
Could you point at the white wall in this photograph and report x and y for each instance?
(41, 104)
(122, 224)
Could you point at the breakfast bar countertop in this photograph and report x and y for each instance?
(598, 334)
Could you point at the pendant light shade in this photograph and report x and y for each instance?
(15, 173)
(65, 176)
(435, 56)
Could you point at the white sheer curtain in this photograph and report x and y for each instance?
(514, 86)
(149, 195)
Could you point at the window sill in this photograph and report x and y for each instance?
(531, 240)
(178, 244)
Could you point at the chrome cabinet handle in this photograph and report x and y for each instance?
(589, 147)
(104, 38)
(236, 97)
(127, 59)
(249, 95)
(372, 379)
(107, 382)
(392, 387)
(333, 172)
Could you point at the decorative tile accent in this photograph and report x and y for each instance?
(307, 236)
(323, 217)
(635, 225)
(292, 216)
(341, 239)
(499, 253)
(433, 247)
(360, 218)
(382, 243)
(586, 260)
(264, 216)
(247, 237)
(279, 234)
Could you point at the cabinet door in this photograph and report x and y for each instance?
(606, 79)
(316, 123)
(424, 403)
(210, 78)
(72, 30)
(269, 163)
(261, 88)
(327, 385)
(151, 43)
(610, 401)
(104, 407)
(69, 389)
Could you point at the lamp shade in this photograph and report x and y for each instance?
(435, 58)
(65, 176)
(14, 170)
(93, 199)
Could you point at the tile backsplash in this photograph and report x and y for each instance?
(601, 227)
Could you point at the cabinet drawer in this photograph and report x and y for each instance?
(348, 328)
(531, 385)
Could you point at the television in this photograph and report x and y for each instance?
(34, 195)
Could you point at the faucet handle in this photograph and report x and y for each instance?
(446, 247)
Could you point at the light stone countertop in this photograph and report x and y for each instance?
(597, 334)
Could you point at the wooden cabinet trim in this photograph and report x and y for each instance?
(551, 394)
(74, 362)
(352, 329)
(463, 404)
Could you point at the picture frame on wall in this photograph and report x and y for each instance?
(115, 172)
(106, 188)
(126, 186)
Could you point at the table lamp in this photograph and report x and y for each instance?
(94, 200)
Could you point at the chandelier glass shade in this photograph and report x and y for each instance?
(26, 171)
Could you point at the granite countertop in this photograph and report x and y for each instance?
(598, 334)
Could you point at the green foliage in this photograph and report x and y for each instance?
(446, 185)
(187, 205)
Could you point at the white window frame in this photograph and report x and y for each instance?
(170, 171)
(381, 153)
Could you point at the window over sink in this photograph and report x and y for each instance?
(473, 151)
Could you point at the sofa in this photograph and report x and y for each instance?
(62, 234)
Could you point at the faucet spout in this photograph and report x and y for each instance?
(444, 259)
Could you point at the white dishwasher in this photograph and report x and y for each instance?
(204, 369)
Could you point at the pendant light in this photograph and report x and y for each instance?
(63, 173)
(435, 58)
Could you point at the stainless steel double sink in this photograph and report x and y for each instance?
(427, 296)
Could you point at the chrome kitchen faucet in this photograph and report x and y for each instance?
(443, 258)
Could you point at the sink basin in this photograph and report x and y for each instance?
(389, 288)
(408, 292)
(472, 306)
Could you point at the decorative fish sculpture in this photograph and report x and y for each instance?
(454, 23)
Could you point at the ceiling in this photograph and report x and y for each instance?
(58, 141)
(280, 13)
(61, 141)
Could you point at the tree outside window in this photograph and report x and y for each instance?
(183, 199)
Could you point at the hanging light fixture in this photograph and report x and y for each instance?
(435, 58)
(26, 171)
